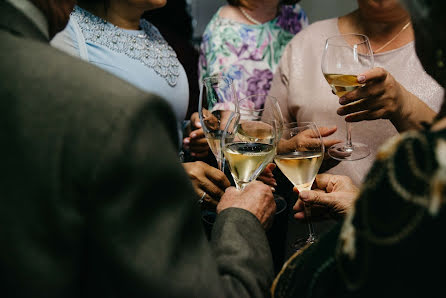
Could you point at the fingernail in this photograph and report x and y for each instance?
(193, 154)
(274, 183)
(342, 100)
(198, 124)
(193, 135)
(273, 189)
(340, 112)
(361, 79)
(186, 141)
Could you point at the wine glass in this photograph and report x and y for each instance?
(344, 58)
(300, 153)
(216, 104)
(253, 146)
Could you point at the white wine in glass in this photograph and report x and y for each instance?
(249, 150)
(216, 104)
(344, 58)
(245, 158)
(300, 153)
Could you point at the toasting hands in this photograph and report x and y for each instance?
(256, 198)
(332, 196)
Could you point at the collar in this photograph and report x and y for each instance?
(33, 13)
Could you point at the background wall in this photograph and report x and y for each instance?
(203, 10)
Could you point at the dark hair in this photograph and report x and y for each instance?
(244, 2)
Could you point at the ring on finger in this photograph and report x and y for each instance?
(201, 200)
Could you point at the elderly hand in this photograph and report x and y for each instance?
(207, 179)
(333, 196)
(256, 198)
(382, 97)
(196, 141)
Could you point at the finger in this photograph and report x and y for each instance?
(218, 177)
(316, 197)
(296, 190)
(271, 166)
(374, 74)
(326, 131)
(299, 206)
(209, 202)
(366, 115)
(199, 142)
(322, 181)
(195, 117)
(197, 134)
(371, 90)
(210, 188)
(368, 103)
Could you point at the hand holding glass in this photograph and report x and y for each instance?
(344, 58)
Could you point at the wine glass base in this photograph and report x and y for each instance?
(300, 243)
(342, 152)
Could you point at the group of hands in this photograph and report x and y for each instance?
(382, 97)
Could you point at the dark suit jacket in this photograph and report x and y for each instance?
(93, 202)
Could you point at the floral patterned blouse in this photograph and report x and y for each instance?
(249, 54)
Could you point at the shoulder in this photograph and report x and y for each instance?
(67, 40)
(75, 81)
(231, 13)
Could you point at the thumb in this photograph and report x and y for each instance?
(316, 197)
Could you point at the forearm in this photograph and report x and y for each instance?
(413, 113)
(243, 255)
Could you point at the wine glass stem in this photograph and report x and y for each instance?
(348, 143)
(311, 234)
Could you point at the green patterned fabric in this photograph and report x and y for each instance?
(392, 244)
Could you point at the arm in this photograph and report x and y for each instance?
(145, 235)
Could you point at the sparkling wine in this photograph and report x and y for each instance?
(247, 160)
(300, 167)
(254, 131)
(342, 84)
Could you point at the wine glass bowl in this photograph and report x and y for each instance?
(345, 57)
(300, 153)
(216, 104)
(253, 145)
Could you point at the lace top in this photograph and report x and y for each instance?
(141, 57)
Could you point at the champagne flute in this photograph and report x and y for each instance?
(216, 104)
(344, 57)
(300, 153)
(253, 145)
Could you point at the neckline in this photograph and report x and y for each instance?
(105, 22)
(409, 44)
(243, 24)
